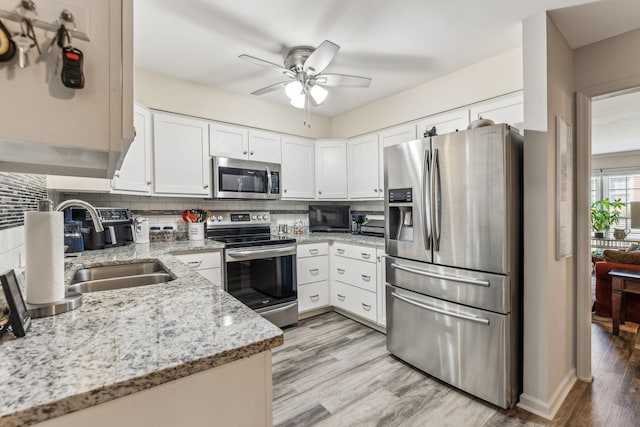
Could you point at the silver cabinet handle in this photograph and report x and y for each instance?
(341, 297)
(441, 311)
(476, 282)
(366, 278)
(340, 270)
(365, 255)
(313, 251)
(313, 271)
(366, 306)
(340, 251)
(194, 263)
(314, 297)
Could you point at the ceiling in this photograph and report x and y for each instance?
(615, 122)
(399, 44)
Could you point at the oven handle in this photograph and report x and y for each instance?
(279, 309)
(476, 319)
(240, 254)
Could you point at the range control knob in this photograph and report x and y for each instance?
(253, 217)
(265, 217)
(220, 218)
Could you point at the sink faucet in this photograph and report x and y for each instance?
(97, 224)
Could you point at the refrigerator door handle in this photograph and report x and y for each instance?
(476, 319)
(435, 198)
(426, 197)
(468, 281)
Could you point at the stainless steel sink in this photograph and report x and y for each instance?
(109, 277)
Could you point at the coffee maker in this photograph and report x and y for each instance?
(118, 227)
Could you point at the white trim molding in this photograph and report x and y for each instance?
(549, 408)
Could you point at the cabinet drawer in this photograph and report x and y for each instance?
(201, 260)
(355, 300)
(313, 269)
(357, 273)
(362, 253)
(312, 249)
(214, 275)
(313, 295)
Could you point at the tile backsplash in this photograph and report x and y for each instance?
(18, 193)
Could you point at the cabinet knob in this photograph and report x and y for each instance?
(244, 152)
(148, 182)
(375, 190)
(117, 174)
(285, 190)
(251, 153)
(319, 192)
(380, 189)
(205, 186)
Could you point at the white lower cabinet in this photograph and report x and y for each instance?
(207, 264)
(357, 273)
(355, 300)
(313, 276)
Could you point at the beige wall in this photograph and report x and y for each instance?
(630, 159)
(487, 79)
(608, 65)
(165, 93)
(549, 290)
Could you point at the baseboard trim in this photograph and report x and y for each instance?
(315, 312)
(550, 408)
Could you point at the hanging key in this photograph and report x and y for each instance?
(31, 33)
(23, 44)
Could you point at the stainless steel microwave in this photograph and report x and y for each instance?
(245, 179)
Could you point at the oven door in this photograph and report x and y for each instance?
(262, 276)
(245, 179)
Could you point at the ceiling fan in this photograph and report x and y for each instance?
(303, 65)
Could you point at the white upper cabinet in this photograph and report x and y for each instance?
(246, 144)
(181, 156)
(264, 146)
(134, 175)
(44, 123)
(509, 110)
(298, 165)
(398, 134)
(331, 169)
(363, 167)
(229, 141)
(448, 122)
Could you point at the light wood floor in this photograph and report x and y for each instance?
(332, 371)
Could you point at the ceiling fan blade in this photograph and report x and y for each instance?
(268, 89)
(344, 80)
(267, 64)
(321, 57)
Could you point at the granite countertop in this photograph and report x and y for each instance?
(355, 239)
(124, 341)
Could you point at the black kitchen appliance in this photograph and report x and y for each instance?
(118, 227)
(260, 268)
(332, 218)
(373, 226)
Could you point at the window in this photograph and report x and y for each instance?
(618, 184)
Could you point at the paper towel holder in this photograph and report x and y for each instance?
(71, 301)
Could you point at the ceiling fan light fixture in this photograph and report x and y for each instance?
(293, 90)
(299, 101)
(318, 93)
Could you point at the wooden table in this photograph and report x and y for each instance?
(622, 281)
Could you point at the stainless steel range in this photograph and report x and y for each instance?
(260, 268)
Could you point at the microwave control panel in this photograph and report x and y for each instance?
(400, 195)
(275, 183)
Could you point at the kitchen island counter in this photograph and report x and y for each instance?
(125, 341)
(354, 239)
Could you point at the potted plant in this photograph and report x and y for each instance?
(605, 213)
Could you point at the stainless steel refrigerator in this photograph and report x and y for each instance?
(453, 235)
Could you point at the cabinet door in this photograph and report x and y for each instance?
(229, 141)
(181, 155)
(331, 169)
(265, 146)
(507, 110)
(298, 165)
(381, 292)
(451, 121)
(135, 173)
(398, 134)
(363, 167)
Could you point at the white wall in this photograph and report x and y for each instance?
(165, 93)
(487, 79)
(11, 248)
(549, 290)
(629, 159)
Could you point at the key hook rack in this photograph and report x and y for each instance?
(29, 6)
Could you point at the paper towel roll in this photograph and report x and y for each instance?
(44, 239)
